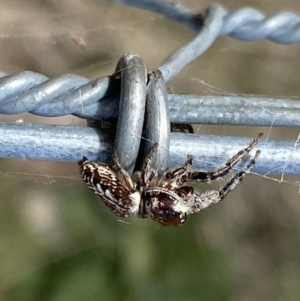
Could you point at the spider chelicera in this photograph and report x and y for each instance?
(167, 199)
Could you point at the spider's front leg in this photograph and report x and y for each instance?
(144, 178)
(209, 198)
(207, 176)
(177, 176)
(179, 171)
(116, 165)
(238, 178)
(147, 174)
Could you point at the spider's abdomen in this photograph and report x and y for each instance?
(164, 206)
(116, 189)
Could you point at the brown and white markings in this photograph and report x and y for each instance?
(167, 200)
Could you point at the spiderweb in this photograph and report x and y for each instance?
(44, 204)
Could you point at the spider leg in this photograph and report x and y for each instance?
(195, 203)
(115, 159)
(238, 178)
(206, 176)
(176, 176)
(179, 171)
(147, 173)
(145, 177)
(82, 161)
(117, 166)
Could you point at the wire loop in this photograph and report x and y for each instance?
(99, 99)
(157, 120)
(132, 109)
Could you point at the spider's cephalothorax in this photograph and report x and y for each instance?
(167, 199)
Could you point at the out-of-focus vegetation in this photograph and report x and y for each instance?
(58, 242)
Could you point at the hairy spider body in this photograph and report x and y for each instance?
(167, 200)
(113, 185)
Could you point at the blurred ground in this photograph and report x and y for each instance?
(56, 243)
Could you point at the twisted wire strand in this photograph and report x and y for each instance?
(245, 24)
(248, 24)
(73, 94)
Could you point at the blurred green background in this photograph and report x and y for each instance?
(58, 242)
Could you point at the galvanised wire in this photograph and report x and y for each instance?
(69, 143)
(72, 94)
(157, 121)
(245, 24)
(207, 34)
(132, 105)
(78, 96)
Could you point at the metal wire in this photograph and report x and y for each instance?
(99, 99)
(212, 24)
(245, 24)
(83, 102)
(68, 143)
(157, 121)
(73, 94)
(132, 105)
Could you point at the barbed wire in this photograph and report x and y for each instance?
(99, 99)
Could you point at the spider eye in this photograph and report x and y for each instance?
(164, 207)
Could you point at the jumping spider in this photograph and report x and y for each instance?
(167, 200)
